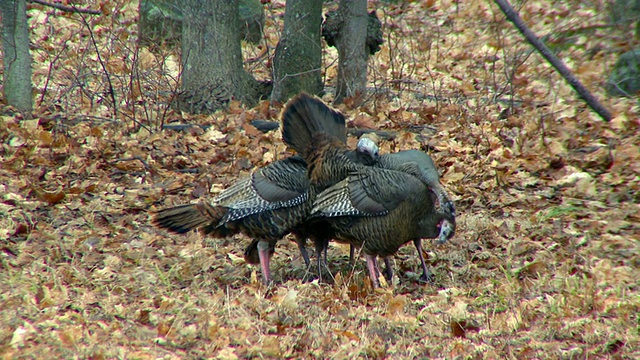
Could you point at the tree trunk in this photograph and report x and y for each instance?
(17, 60)
(213, 72)
(160, 21)
(351, 44)
(298, 58)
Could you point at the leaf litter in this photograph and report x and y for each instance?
(544, 263)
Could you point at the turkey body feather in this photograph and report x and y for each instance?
(419, 164)
(377, 208)
(275, 200)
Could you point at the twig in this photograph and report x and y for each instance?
(50, 72)
(132, 173)
(132, 76)
(67, 8)
(112, 92)
(511, 14)
(92, 118)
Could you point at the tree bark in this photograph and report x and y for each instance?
(352, 54)
(160, 21)
(298, 58)
(17, 59)
(213, 71)
(595, 105)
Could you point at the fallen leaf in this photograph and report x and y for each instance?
(348, 334)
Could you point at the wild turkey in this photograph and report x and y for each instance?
(381, 210)
(376, 208)
(426, 172)
(272, 202)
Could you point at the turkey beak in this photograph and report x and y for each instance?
(446, 231)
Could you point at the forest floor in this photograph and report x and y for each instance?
(544, 264)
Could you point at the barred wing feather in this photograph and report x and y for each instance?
(368, 192)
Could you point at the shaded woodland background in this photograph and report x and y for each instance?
(544, 263)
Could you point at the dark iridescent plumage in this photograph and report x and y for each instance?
(426, 171)
(266, 206)
(381, 210)
(272, 202)
(376, 208)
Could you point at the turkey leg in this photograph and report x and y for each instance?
(426, 274)
(372, 265)
(388, 269)
(263, 253)
(302, 245)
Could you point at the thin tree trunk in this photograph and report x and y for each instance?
(511, 14)
(298, 57)
(17, 60)
(351, 44)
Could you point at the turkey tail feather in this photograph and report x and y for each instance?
(306, 116)
(183, 218)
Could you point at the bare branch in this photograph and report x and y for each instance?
(67, 8)
(104, 68)
(511, 14)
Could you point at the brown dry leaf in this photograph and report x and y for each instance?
(536, 192)
(457, 329)
(20, 334)
(69, 336)
(251, 130)
(627, 156)
(46, 139)
(619, 122)
(454, 177)
(32, 126)
(236, 260)
(586, 187)
(364, 121)
(141, 354)
(531, 270)
(556, 148)
(143, 317)
(163, 329)
(51, 197)
(201, 189)
(395, 306)
(290, 300)
(235, 107)
(348, 334)
(41, 295)
(146, 58)
(264, 110)
(213, 135)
